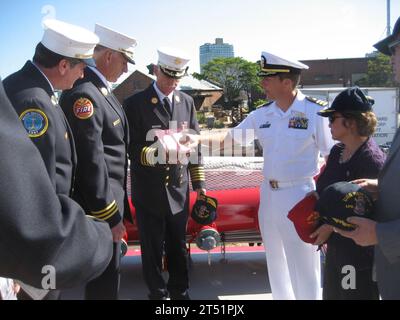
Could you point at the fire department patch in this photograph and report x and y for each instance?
(35, 122)
(83, 108)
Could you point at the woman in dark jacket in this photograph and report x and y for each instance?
(357, 155)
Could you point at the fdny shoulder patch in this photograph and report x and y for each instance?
(83, 108)
(35, 122)
(319, 102)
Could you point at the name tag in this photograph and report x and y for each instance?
(117, 122)
(265, 125)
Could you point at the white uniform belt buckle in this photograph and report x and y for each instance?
(275, 185)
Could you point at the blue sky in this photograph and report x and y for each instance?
(307, 29)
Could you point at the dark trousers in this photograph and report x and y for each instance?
(336, 258)
(106, 286)
(52, 295)
(159, 233)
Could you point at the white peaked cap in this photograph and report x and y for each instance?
(116, 41)
(173, 61)
(69, 40)
(272, 64)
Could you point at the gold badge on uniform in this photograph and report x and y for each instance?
(83, 108)
(66, 136)
(177, 99)
(104, 91)
(154, 100)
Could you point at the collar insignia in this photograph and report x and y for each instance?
(104, 91)
(54, 100)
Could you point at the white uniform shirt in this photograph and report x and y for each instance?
(102, 78)
(161, 95)
(291, 140)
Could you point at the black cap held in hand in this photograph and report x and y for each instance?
(205, 210)
(350, 100)
(341, 200)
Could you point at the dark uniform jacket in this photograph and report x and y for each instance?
(33, 98)
(38, 227)
(101, 136)
(387, 251)
(155, 186)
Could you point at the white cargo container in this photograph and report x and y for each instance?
(386, 108)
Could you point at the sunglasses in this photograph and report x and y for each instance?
(333, 118)
(392, 46)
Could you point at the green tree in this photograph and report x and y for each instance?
(234, 75)
(379, 74)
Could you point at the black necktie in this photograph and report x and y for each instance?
(168, 106)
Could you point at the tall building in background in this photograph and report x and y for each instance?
(210, 51)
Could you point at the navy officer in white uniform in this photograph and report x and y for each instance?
(292, 137)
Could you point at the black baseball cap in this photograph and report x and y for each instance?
(351, 100)
(384, 45)
(341, 200)
(204, 210)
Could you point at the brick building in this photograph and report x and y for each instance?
(334, 72)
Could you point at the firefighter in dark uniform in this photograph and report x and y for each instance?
(39, 227)
(101, 136)
(58, 62)
(160, 186)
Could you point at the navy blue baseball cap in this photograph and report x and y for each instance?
(204, 210)
(384, 46)
(342, 200)
(350, 100)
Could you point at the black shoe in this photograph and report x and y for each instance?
(179, 296)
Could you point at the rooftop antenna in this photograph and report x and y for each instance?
(388, 28)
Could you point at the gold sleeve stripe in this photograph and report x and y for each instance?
(143, 156)
(110, 215)
(106, 209)
(198, 177)
(147, 156)
(194, 169)
(103, 215)
(197, 173)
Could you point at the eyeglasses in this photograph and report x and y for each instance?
(392, 46)
(333, 118)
